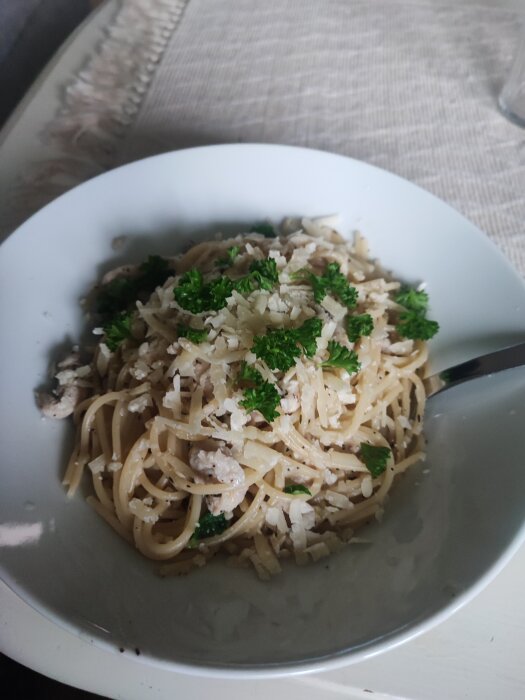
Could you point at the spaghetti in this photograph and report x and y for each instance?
(183, 466)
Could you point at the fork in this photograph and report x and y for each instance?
(506, 358)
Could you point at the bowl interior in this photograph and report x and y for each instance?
(449, 521)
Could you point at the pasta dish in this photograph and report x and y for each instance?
(256, 395)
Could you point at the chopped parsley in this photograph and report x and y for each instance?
(339, 285)
(120, 293)
(358, 326)
(280, 348)
(117, 330)
(248, 373)
(295, 489)
(194, 294)
(208, 526)
(339, 356)
(415, 326)
(413, 322)
(332, 280)
(153, 273)
(244, 285)
(195, 335)
(375, 458)
(265, 228)
(412, 299)
(264, 272)
(261, 396)
(115, 296)
(318, 285)
(229, 258)
(307, 335)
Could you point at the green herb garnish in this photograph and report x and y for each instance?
(115, 296)
(153, 273)
(340, 286)
(295, 489)
(262, 396)
(413, 322)
(228, 260)
(280, 348)
(244, 285)
(120, 293)
(248, 373)
(208, 526)
(412, 299)
(332, 280)
(264, 272)
(265, 228)
(195, 295)
(195, 335)
(375, 458)
(318, 285)
(415, 326)
(117, 330)
(189, 292)
(339, 356)
(358, 326)
(307, 334)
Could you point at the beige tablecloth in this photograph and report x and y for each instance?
(408, 85)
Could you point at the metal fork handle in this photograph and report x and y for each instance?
(507, 358)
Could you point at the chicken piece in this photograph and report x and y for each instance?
(62, 405)
(219, 467)
(122, 271)
(68, 395)
(71, 361)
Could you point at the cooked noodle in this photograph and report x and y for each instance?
(163, 435)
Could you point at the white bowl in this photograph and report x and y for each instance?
(451, 522)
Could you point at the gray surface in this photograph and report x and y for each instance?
(30, 33)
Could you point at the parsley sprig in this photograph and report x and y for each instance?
(195, 295)
(358, 326)
(118, 329)
(375, 458)
(208, 526)
(280, 347)
(296, 489)
(115, 300)
(413, 299)
(229, 258)
(339, 356)
(265, 228)
(415, 326)
(332, 280)
(119, 294)
(264, 272)
(261, 395)
(413, 322)
(195, 335)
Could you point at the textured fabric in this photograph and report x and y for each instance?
(409, 86)
(96, 108)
